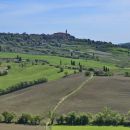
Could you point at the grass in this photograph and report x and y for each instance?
(89, 128)
(29, 73)
(56, 60)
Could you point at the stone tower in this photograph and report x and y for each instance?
(66, 32)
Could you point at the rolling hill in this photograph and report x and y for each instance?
(63, 60)
(64, 45)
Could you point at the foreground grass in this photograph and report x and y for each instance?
(89, 128)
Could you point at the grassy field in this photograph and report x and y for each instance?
(89, 128)
(33, 72)
(29, 73)
(24, 127)
(56, 60)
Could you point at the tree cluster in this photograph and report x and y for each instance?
(26, 119)
(106, 69)
(22, 85)
(105, 118)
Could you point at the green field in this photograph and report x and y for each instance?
(29, 73)
(89, 128)
(56, 60)
(33, 72)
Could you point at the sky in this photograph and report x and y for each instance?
(104, 20)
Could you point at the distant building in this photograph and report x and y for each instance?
(63, 35)
(66, 32)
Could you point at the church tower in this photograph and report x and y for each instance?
(66, 32)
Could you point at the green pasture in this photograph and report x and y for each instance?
(29, 73)
(56, 60)
(89, 128)
(33, 72)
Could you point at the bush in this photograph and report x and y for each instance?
(66, 74)
(102, 73)
(61, 120)
(35, 120)
(8, 117)
(127, 74)
(70, 119)
(8, 67)
(3, 72)
(73, 119)
(87, 73)
(107, 118)
(91, 69)
(1, 119)
(25, 119)
(75, 72)
(61, 70)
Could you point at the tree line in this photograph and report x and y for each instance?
(26, 119)
(22, 85)
(105, 118)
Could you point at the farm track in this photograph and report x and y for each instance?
(72, 93)
(113, 92)
(67, 96)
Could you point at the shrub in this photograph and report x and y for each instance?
(1, 119)
(80, 68)
(35, 120)
(8, 67)
(87, 73)
(3, 72)
(66, 74)
(90, 69)
(61, 69)
(102, 73)
(73, 119)
(8, 117)
(25, 119)
(61, 120)
(108, 117)
(70, 119)
(75, 71)
(127, 74)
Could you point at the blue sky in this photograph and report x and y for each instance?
(106, 20)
